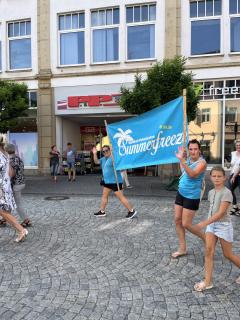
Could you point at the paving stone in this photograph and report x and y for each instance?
(74, 266)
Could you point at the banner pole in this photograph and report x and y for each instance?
(114, 169)
(184, 117)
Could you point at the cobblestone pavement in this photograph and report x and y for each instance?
(76, 266)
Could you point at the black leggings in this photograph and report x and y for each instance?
(233, 186)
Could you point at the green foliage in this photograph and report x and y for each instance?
(13, 104)
(164, 82)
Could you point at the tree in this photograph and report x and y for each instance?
(13, 104)
(165, 81)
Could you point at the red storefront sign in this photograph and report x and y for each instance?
(92, 129)
(93, 101)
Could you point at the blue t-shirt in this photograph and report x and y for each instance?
(191, 187)
(71, 155)
(108, 171)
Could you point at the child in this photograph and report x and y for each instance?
(219, 226)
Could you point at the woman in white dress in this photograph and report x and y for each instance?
(234, 179)
(7, 202)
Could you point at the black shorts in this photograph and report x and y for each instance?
(113, 186)
(191, 204)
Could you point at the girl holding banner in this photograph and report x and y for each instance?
(189, 192)
(110, 182)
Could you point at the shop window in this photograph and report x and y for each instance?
(105, 35)
(19, 41)
(71, 37)
(231, 114)
(207, 128)
(205, 26)
(234, 11)
(141, 31)
(205, 115)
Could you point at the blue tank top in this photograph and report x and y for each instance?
(191, 187)
(108, 171)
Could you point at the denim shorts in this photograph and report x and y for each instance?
(71, 164)
(222, 230)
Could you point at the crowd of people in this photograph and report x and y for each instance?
(11, 176)
(218, 225)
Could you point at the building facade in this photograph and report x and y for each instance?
(75, 56)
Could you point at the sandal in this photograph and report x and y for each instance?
(26, 223)
(21, 236)
(178, 254)
(238, 280)
(3, 223)
(234, 210)
(201, 286)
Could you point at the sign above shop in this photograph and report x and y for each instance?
(92, 129)
(224, 90)
(219, 89)
(90, 101)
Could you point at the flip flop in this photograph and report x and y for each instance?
(178, 254)
(26, 223)
(201, 286)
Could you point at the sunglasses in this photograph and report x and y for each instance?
(106, 150)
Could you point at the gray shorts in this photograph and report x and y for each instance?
(222, 230)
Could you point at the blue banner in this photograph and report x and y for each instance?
(149, 139)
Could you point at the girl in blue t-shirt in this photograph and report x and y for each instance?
(188, 195)
(109, 183)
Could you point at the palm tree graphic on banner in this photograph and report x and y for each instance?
(123, 136)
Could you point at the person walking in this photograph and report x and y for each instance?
(18, 183)
(234, 179)
(219, 227)
(70, 154)
(188, 195)
(54, 162)
(125, 179)
(7, 202)
(109, 183)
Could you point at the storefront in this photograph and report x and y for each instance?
(217, 124)
(81, 112)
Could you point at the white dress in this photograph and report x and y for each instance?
(235, 162)
(7, 202)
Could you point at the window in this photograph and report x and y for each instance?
(105, 35)
(32, 99)
(205, 115)
(234, 6)
(234, 11)
(205, 26)
(71, 37)
(19, 41)
(141, 31)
